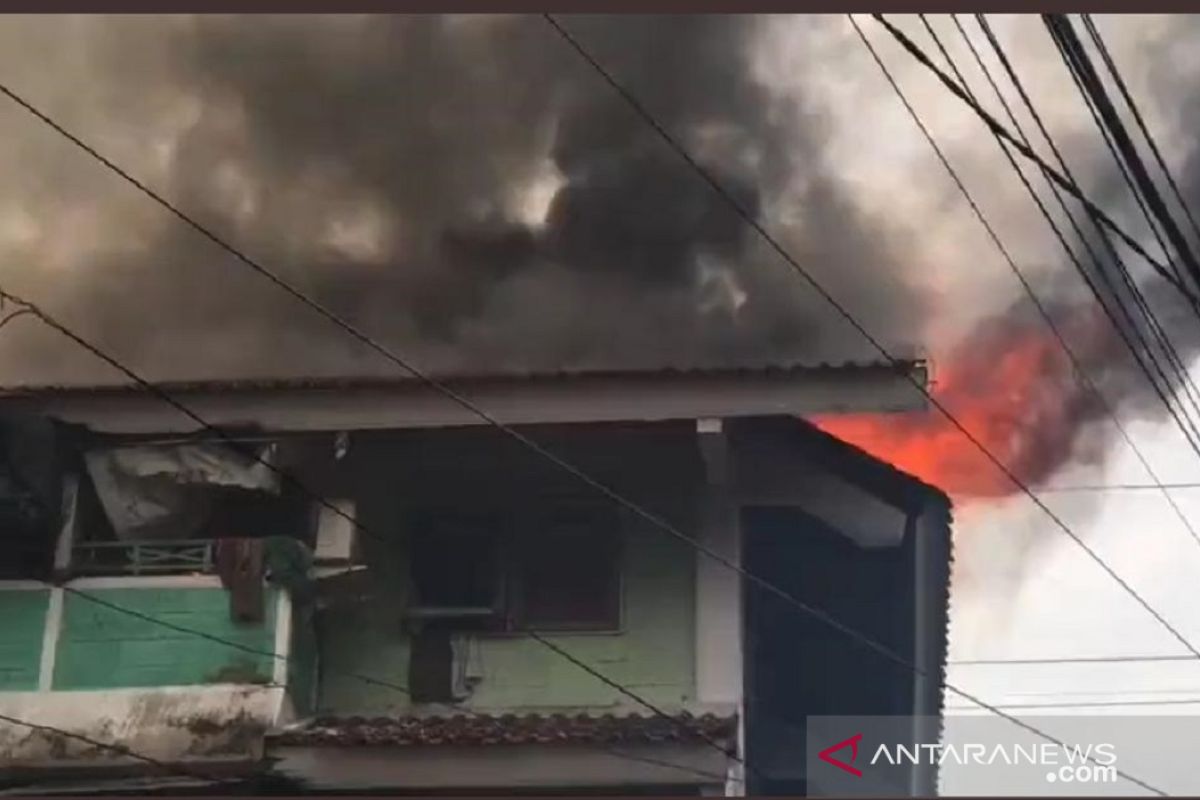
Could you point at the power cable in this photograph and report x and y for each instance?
(1098, 40)
(1112, 150)
(1029, 154)
(160, 393)
(1077, 368)
(46, 319)
(1156, 327)
(1159, 335)
(1188, 385)
(1060, 25)
(1068, 660)
(657, 521)
(1083, 704)
(1079, 372)
(1073, 69)
(1120, 487)
(441, 388)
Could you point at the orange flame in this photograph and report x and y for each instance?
(1012, 388)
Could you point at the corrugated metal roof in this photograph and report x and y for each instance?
(507, 729)
(333, 382)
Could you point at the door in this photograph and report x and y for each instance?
(796, 664)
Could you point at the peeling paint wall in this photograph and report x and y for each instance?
(70, 663)
(213, 722)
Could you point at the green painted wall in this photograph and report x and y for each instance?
(653, 655)
(23, 612)
(101, 648)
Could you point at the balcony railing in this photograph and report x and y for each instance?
(143, 557)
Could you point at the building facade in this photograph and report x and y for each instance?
(370, 590)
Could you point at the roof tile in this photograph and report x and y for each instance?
(506, 729)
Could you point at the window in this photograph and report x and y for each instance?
(507, 571)
(456, 565)
(567, 574)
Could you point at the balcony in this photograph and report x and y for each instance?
(187, 556)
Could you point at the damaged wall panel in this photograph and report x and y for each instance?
(220, 722)
(103, 648)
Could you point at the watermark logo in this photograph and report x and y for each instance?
(1066, 763)
(826, 755)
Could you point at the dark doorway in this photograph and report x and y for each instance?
(798, 665)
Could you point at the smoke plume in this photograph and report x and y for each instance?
(473, 194)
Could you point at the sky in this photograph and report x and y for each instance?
(451, 214)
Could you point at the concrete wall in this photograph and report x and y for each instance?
(222, 723)
(70, 663)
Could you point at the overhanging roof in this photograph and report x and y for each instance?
(334, 404)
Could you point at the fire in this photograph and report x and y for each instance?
(1012, 386)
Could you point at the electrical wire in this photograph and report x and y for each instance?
(1120, 487)
(1014, 479)
(1156, 328)
(1080, 373)
(1084, 704)
(1060, 26)
(1157, 331)
(228, 440)
(449, 393)
(1029, 154)
(659, 523)
(1098, 40)
(1069, 660)
(1116, 156)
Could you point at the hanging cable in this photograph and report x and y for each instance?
(1094, 32)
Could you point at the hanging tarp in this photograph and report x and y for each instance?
(156, 492)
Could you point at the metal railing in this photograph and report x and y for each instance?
(143, 557)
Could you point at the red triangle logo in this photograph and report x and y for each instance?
(826, 755)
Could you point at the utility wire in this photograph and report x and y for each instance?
(1085, 704)
(1071, 61)
(1029, 154)
(1061, 25)
(819, 614)
(175, 403)
(1112, 150)
(378, 682)
(1098, 40)
(1069, 660)
(1156, 327)
(602, 488)
(1080, 373)
(434, 384)
(1050, 174)
(28, 307)
(1008, 473)
(1077, 368)
(405, 691)
(1119, 487)
(1071, 65)
(437, 386)
(1157, 330)
(441, 388)
(1143, 303)
(752, 222)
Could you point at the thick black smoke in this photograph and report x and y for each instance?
(386, 164)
